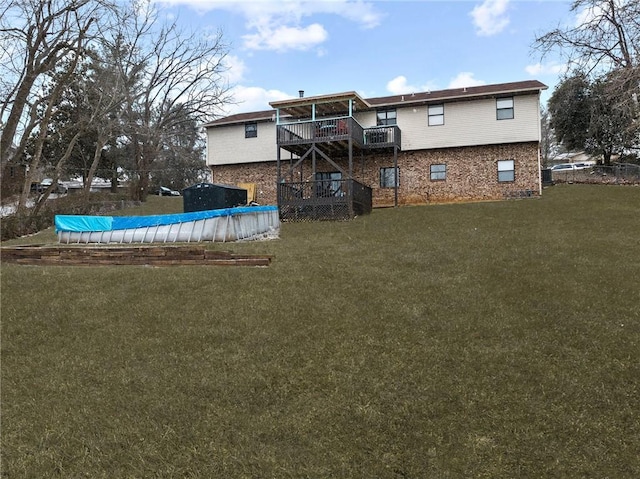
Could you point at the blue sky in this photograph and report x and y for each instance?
(376, 47)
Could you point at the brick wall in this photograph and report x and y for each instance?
(472, 174)
(263, 174)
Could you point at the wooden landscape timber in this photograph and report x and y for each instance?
(129, 255)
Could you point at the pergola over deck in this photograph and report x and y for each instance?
(324, 127)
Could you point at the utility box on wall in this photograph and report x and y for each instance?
(209, 196)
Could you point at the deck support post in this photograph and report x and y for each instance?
(396, 179)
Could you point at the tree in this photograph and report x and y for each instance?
(584, 117)
(606, 37)
(180, 79)
(604, 44)
(88, 80)
(181, 161)
(35, 38)
(610, 125)
(548, 144)
(570, 110)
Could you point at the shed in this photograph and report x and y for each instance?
(210, 196)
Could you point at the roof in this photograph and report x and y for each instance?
(325, 104)
(338, 102)
(243, 117)
(528, 86)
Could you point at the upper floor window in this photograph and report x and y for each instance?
(504, 108)
(389, 178)
(251, 129)
(386, 117)
(506, 171)
(436, 115)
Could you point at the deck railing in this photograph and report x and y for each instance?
(323, 200)
(310, 131)
(337, 129)
(382, 137)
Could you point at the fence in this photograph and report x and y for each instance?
(622, 173)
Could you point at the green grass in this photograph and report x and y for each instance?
(486, 340)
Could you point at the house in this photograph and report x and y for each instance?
(341, 154)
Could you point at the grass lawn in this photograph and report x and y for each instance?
(485, 340)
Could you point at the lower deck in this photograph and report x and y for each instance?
(323, 200)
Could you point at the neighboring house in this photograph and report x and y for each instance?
(465, 144)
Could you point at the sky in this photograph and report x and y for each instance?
(373, 47)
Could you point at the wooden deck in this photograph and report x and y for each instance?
(323, 200)
(334, 135)
(128, 255)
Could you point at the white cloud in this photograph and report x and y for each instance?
(490, 17)
(361, 12)
(235, 68)
(278, 24)
(246, 98)
(249, 99)
(540, 69)
(286, 38)
(588, 14)
(399, 86)
(465, 79)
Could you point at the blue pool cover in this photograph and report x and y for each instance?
(78, 223)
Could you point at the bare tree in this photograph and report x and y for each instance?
(604, 44)
(149, 76)
(548, 143)
(35, 37)
(605, 38)
(178, 77)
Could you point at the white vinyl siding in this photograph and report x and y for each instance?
(470, 123)
(467, 123)
(227, 145)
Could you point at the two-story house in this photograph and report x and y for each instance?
(327, 152)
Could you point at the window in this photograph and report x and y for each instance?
(388, 178)
(329, 184)
(250, 129)
(386, 117)
(506, 171)
(436, 115)
(504, 108)
(438, 172)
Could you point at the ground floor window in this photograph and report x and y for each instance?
(329, 184)
(506, 171)
(388, 178)
(438, 172)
